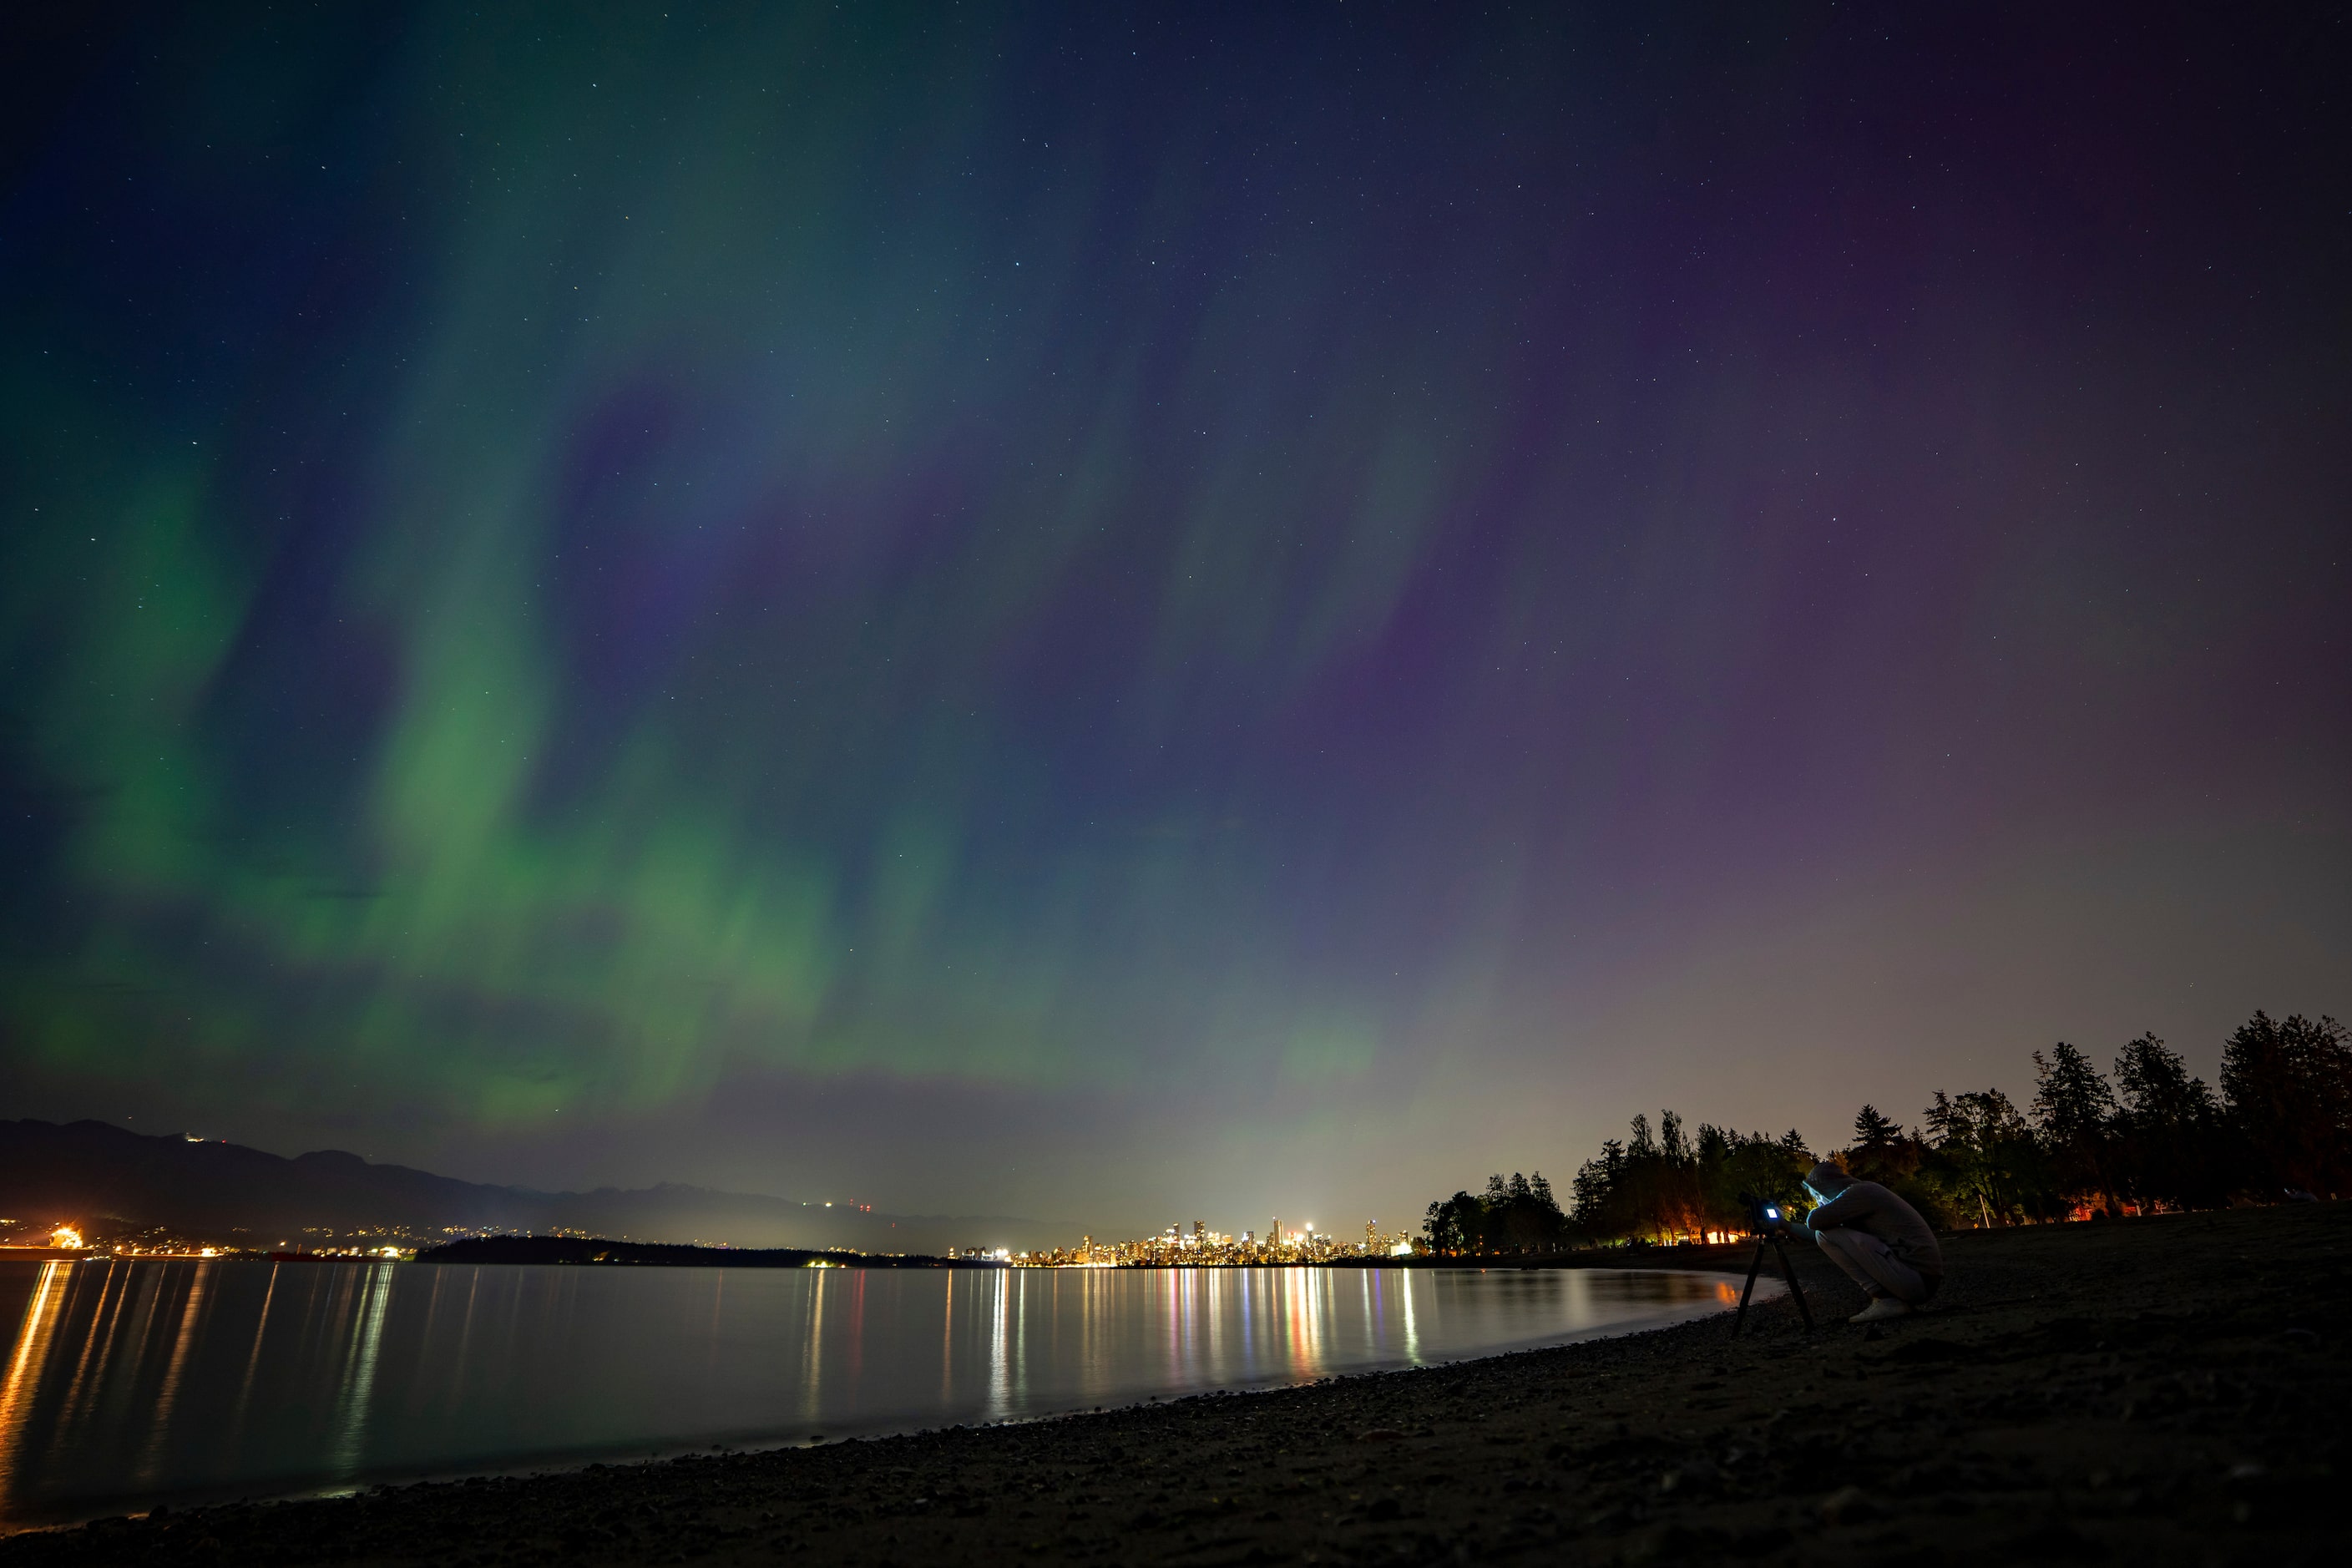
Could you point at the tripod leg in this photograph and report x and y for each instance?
(1788, 1272)
(1747, 1289)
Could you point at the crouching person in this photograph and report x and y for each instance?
(1878, 1239)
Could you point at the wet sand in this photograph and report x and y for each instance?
(2172, 1390)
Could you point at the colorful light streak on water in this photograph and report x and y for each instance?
(133, 1383)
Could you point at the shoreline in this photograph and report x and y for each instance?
(2170, 1388)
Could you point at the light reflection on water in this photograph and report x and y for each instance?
(128, 1382)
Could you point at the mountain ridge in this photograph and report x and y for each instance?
(94, 1172)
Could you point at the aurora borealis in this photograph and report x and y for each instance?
(1081, 610)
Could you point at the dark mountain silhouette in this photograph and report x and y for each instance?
(93, 1173)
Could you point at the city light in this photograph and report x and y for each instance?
(1201, 1248)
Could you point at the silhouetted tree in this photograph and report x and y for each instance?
(1680, 1185)
(2173, 1142)
(2289, 1089)
(1641, 1146)
(1590, 1190)
(1670, 1137)
(1983, 1157)
(1513, 1215)
(1453, 1224)
(1880, 1152)
(2074, 1113)
(1874, 1133)
(1754, 1166)
(1528, 1220)
(2157, 1136)
(1941, 1121)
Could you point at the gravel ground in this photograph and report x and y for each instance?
(2172, 1390)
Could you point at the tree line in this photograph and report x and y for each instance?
(2148, 1137)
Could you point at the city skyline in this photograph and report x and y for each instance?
(1200, 1246)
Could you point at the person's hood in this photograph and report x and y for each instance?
(1827, 1180)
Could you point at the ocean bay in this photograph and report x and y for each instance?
(128, 1384)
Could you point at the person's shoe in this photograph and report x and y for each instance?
(1878, 1312)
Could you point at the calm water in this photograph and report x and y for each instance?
(132, 1383)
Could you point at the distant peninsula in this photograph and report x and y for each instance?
(589, 1250)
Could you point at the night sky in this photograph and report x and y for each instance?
(1120, 614)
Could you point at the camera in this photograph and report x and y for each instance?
(1764, 1215)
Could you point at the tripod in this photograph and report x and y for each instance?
(1787, 1271)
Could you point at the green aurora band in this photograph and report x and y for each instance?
(564, 563)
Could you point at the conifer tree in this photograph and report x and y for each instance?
(1874, 1131)
(2174, 1140)
(2073, 1111)
(2289, 1088)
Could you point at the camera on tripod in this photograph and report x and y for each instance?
(1770, 1224)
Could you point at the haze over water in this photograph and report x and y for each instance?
(126, 1383)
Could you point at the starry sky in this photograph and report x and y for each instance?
(1122, 613)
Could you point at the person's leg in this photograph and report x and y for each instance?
(1869, 1262)
(1838, 1244)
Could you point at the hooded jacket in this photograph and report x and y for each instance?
(1874, 1211)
